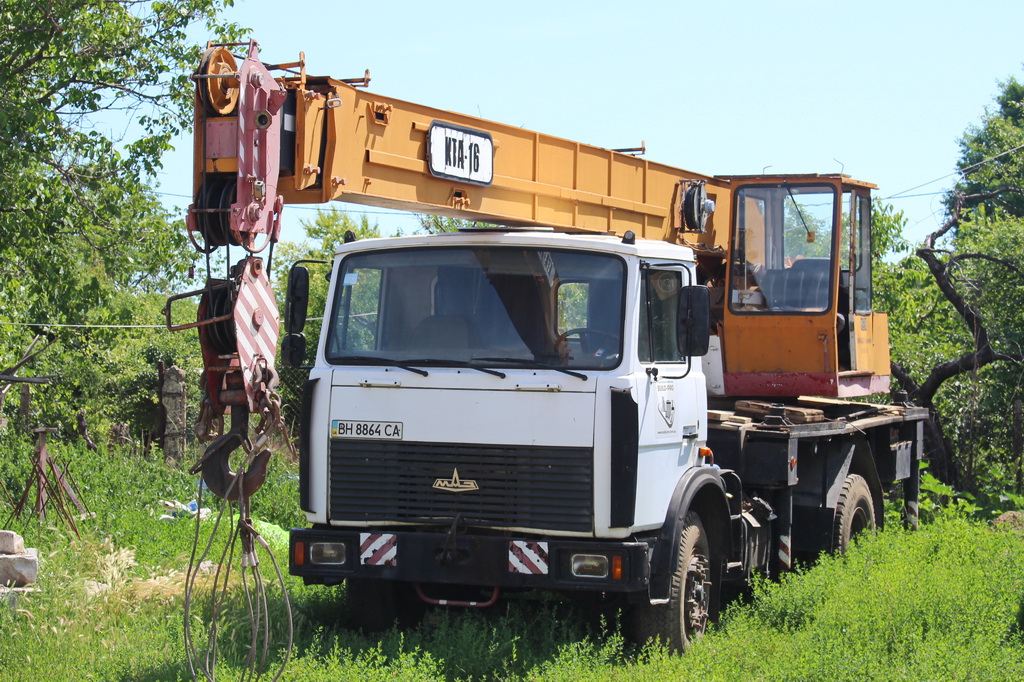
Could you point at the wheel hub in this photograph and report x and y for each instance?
(696, 594)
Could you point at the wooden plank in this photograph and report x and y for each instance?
(795, 415)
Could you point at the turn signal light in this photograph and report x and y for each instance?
(617, 567)
(299, 553)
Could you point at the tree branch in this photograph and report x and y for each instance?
(905, 380)
(956, 258)
(959, 199)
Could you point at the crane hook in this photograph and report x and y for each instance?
(215, 464)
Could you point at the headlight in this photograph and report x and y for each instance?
(327, 553)
(590, 566)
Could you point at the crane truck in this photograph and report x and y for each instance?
(638, 384)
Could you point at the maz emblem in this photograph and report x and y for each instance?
(455, 484)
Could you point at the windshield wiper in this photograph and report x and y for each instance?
(534, 364)
(387, 362)
(441, 362)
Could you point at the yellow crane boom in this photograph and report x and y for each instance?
(787, 257)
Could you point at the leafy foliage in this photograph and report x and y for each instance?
(435, 224)
(77, 207)
(984, 262)
(958, 347)
(990, 156)
(323, 235)
(94, 90)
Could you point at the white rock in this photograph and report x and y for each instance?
(11, 543)
(18, 570)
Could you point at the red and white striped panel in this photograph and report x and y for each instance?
(257, 324)
(785, 552)
(378, 549)
(527, 557)
(913, 514)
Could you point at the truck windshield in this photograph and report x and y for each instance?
(487, 306)
(783, 249)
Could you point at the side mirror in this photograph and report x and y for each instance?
(296, 301)
(694, 321)
(293, 350)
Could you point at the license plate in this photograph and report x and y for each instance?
(343, 428)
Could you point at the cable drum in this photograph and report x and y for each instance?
(218, 81)
(220, 302)
(213, 214)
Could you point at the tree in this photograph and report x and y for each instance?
(94, 90)
(956, 342)
(324, 234)
(958, 332)
(991, 163)
(75, 174)
(435, 224)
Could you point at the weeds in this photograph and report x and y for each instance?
(944, 602)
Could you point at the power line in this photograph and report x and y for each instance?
(98, 326)
(13, 324)
(299, 206)
(923, 184)
(914, 196)
(963, 172)
(1008, 151)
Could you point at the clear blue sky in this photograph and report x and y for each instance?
(879, 90)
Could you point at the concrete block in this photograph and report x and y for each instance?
(18, 570)
(11, 543)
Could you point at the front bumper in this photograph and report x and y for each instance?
(482, 560)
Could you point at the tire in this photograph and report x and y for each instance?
(683, 620)
(855, 513)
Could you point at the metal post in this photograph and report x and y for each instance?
(912, 486)
(783, 531)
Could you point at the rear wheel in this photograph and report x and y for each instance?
(681, 621)
(855, 513)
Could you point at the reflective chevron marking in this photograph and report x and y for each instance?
(378, 549)
(527, 557)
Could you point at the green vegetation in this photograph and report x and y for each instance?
(956, 343)
(942, 603)
(83, 237)
(84, 241)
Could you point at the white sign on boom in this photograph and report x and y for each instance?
(458, 153)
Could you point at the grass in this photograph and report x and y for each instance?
(942, 603)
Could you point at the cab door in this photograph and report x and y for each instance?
(864, 340)
(671, 396)
(780, 322)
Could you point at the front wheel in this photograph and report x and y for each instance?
(681, 621)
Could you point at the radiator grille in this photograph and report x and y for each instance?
(532, 487)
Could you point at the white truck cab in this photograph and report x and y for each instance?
(477, 373)
(508, 408)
